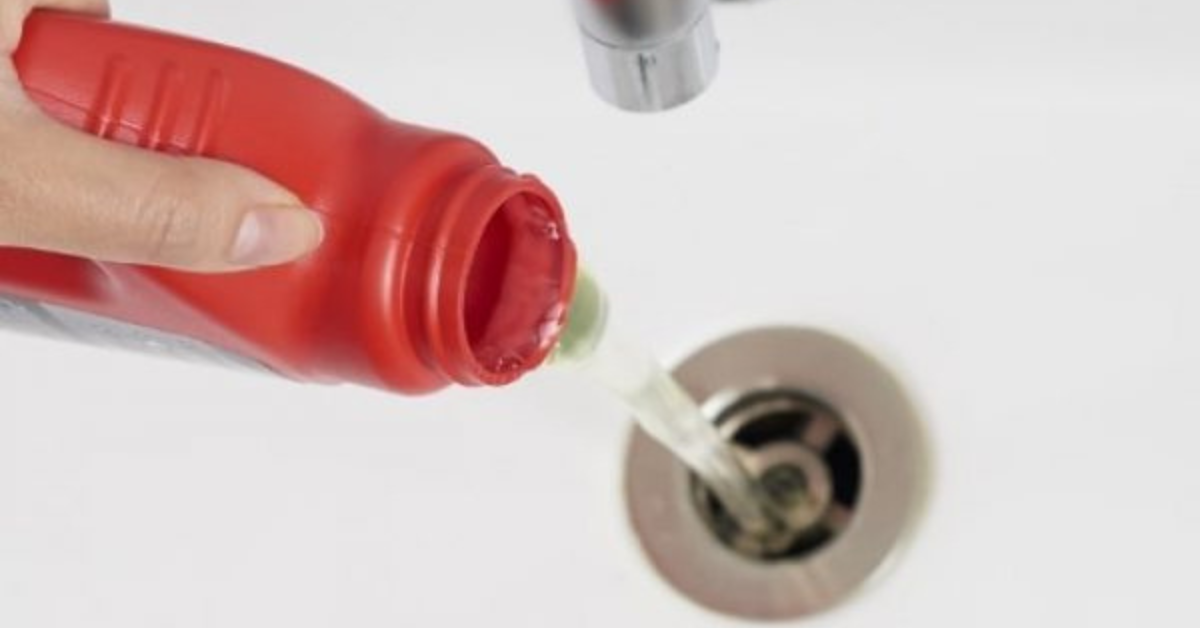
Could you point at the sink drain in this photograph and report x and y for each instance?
(831, 437)
(808, 463)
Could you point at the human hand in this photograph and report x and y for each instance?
(64, 191)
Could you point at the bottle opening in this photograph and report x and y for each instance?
(517, 288)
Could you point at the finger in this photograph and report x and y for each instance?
(13, 13)
(65, 191)
(99, 7)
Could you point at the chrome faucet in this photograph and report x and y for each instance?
(648, 55)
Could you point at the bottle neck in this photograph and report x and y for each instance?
(498, 278)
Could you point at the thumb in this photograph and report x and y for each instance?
(69, 192)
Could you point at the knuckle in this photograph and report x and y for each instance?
(169, 226)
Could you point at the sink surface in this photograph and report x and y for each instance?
(998, 199)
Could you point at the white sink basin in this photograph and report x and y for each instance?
(997, 198)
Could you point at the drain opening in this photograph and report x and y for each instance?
(807, 461)
(852, 475)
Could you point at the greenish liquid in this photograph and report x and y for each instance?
(663, 409)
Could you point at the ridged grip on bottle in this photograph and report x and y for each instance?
(167, 124)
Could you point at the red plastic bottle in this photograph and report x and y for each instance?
(439, 266)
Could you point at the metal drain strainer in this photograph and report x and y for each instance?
(828, 431)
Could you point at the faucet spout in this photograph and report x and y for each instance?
(648, 55)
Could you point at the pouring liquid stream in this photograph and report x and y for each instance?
(663, 409)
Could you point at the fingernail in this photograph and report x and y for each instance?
(274, 235)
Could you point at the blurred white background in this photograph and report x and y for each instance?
(999, 197)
